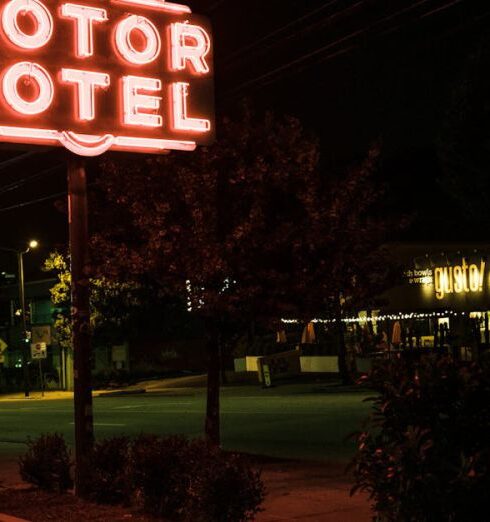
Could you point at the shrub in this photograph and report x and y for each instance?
(192, 481)
(109, 481)
(47, 463)
(170, 477)
(160, 473)
(225, 488)
(425, 454)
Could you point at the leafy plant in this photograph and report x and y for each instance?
(47, 463)
(109, 480)
(424, 455)
(194, 481)
(160, 473)
(225, 489)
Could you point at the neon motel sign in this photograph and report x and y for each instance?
(92, 76)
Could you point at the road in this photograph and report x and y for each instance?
(290, 422)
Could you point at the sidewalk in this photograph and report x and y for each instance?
(312, 492)
(36, 395)
(297, 491)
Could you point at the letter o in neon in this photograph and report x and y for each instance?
(11, 92)
(126, 48)
(15, 34)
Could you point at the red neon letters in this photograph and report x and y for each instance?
(122, 74)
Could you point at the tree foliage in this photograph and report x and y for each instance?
(249, 227)
(112, 302)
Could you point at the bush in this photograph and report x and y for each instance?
(170, 477)
(192, 481)
(226, 488)
(109, 481)
(425, 454)
(47, 463)
(161, 473)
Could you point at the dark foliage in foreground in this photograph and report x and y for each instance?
(170, 477)
(425, 455)
(161, 474)
(193, 480)
(47, 463)
(109, 481)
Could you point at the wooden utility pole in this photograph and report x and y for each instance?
(80, 311)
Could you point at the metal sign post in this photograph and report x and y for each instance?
(39, 351)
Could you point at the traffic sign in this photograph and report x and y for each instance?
(3, 345)
(41, 334)
(39, 351)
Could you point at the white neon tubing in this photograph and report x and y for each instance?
(14, 33)
(84, 17)
(131, 142)
(85, 83)
(125, 47)
(181, 121)
(162, 5)
(87, 145)
(183, 52)
(134, 101)
(34, 72)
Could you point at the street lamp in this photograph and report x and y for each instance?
(20, 264)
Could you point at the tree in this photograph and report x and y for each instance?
(112, 303)
(249, 228)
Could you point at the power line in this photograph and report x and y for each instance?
(278, 73)
(216, 5)
(33, 201)
(279, 30)
(20, 182)
(5, 164)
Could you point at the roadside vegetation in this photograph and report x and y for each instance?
(171, 478)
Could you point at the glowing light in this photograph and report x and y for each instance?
(36, 106)
(458, 279)
(126, 48)
(157, 4)
(29, 135)
(183, 51)
(84, 17)
(33, 244)
(86, 145)
(44, 24)
(152, 144)
(181, 120)
(134, 101)
(86, 82)
(33, 72)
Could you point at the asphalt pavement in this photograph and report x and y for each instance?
(295, 421)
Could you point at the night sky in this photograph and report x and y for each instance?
(353, 71)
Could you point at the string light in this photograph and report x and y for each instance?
(387, 317)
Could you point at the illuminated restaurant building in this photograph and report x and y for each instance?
(441, 301)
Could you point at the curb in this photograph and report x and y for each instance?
(8, 518)
(120, 393)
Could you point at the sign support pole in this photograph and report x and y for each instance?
(25, 345)
(78, 227)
